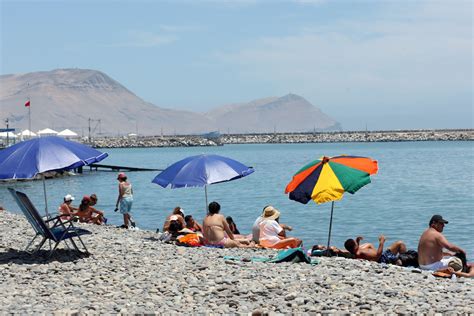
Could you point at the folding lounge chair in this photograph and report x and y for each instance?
(54, 229)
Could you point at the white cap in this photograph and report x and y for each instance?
(68, 197)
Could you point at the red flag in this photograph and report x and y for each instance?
(27, 103)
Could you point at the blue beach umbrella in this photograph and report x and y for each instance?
(29, 158)
(201, 171)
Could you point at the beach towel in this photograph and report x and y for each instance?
(293, 255)
(189, 240)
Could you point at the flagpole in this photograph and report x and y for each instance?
(29, 111)
(29, 119)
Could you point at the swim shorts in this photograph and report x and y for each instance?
(388, 257)
(126, 205)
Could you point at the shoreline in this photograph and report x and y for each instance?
(132, 272)
(283, 138)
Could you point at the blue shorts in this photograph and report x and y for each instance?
(388, 257)
(126, 205)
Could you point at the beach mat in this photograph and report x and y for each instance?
(293, 255)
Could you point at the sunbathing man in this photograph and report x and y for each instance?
(88, 214)
(431, 245)
(66, 209)
(367, 251)
(177, 215)
(191, 224)
(272, 235)
(216, 231)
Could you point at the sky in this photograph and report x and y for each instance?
(368, 64)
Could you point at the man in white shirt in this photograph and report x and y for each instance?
(272, 235)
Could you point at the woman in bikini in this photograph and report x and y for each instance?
(216, 231)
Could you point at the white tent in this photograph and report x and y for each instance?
(27, 133)
(47, 132)
(67, 133)
(7, 135)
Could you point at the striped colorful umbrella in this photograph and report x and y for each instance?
(326, 179)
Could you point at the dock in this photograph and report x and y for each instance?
(96, 167)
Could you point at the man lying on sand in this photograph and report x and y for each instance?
(431, 245)
(367, 251)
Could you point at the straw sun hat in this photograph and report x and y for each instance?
(270, 212)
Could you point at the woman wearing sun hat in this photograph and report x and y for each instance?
(272, 235)
(125, 199)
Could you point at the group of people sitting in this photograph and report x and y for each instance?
(220, 231)
(85, 213)
(268, 232)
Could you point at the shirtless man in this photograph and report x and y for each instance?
(367, 251)
(216, 231)
(431, 245)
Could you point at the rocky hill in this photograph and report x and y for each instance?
(68, 98)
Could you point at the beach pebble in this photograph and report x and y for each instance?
(132, 273)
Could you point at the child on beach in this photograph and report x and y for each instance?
(232, 225)
(125, 200)
(191, 224)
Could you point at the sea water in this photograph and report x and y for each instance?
(415, 181)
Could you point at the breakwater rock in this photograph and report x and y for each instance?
(286, 138)
(339, 137)
(133, 272)
(153, 141)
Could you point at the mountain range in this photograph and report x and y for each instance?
(82, 99)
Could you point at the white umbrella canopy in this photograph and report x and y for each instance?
(27, 133)
(67, 133)
(47, 132)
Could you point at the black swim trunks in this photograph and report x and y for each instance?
(388, 257)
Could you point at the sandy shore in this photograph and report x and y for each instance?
(132, 272)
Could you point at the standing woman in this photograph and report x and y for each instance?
(125, 199)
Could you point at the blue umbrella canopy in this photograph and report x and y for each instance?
(201, 171)
(26, 159)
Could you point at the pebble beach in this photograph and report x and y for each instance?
(133, 272)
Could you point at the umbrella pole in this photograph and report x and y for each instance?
(45, 197)
(330, 228)
(205, 190)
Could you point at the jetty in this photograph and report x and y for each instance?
(96, 167)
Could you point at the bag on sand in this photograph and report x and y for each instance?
(189, 240)
(291, 255)
(409, 258)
